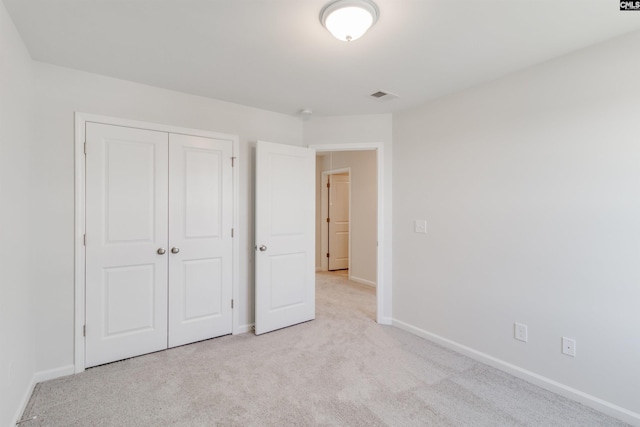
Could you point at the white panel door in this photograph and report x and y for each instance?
(285, 236)
(339, 221)
(126, 227)
(200, 245)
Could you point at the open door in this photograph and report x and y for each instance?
(285, 236)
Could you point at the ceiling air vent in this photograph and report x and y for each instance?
(382, 95)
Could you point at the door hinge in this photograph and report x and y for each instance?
(233, 161)
(85, 148)
(84, 239)
(327, 254)
(84, 330)
(232, 233)
(328, 219)
(231, 303)
(328, 185)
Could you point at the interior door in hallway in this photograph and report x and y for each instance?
(285, 236)
(126, 234)
(338, 221)
(200, 242)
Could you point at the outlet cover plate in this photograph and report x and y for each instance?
(520, 332)
(569, 346)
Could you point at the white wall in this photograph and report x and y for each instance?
(364, 220)
(374, 128)
(61, 92)
(531, 190)
(16, 332)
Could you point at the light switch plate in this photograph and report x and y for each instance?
(420, 226)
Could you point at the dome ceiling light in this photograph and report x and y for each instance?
(348, 20)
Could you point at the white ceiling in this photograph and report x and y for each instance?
(275, 55)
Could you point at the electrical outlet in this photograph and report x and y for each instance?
(420, 226)
(520, 332)
(569, 346)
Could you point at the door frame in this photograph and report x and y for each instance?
(324, 227)
(383, 289)
(81, 120)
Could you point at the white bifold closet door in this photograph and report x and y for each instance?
(158, 241)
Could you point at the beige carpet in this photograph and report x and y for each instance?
(340, 370)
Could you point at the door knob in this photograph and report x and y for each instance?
(175, 250)
(263, 248)
(161, 251)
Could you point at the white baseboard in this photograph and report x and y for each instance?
(51, 374)
(24, 401)
(601, 405)
(39, 377)
(385, 321)
(362, 281)
(243, 329)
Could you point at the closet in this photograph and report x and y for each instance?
(158, 242)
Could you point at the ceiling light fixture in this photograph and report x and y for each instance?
(348, 20)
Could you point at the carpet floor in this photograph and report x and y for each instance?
(341, 369)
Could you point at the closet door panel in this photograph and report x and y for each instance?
(200, 208)
(126, 224)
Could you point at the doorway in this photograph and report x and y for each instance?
(348, 238)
